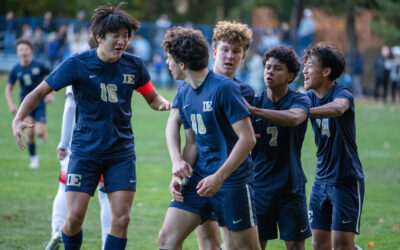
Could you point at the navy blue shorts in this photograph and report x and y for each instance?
(39, 114)
(336, 207)
(286, 211)
(234, 206)
(84, 174)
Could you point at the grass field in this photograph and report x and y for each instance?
(26, 195)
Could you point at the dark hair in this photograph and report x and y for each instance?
(188, 46)
(23, 41)
(92, 42)
(107, 18)
(328, 56)
(286, 55)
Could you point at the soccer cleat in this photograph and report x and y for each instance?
(34, 162)
(55, 242)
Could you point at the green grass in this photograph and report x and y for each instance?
(26, 195)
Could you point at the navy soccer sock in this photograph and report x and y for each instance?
(32, 149)
(115, 243)
(72, 242)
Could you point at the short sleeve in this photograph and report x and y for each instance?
(302, 102)
(345, 93)
(12, 76)
(63, 75)
(232, 103)
(143, 76)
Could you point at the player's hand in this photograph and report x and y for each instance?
(209, 186)
(164, 106)
(13, 109)
(18, 127)
(61, 153)
(174, 187)
(181, 169)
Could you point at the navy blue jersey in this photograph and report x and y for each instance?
(29, 77)
(210, 110)
(245, 90)
(337, 157)
(103, 93)
(277, 154)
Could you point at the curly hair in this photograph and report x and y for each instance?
(188, 46)
(233, 33)
(107, 18)
(286, 55)
(328, 56)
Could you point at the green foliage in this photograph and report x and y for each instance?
(386, 23)
(26, 195)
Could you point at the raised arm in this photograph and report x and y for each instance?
(8, 92)
(333, 109)
(30, 102)
(208, 186)
(156, 101)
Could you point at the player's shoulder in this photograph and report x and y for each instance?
(131, 58)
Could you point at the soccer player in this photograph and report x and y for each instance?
(338, 190)
(103, 81)
(219, 137)
(231, 41)
(29, 73)
(280, 118)
(63, 154)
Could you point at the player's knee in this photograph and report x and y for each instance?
(342, 244)
(122, 221)
(74, 222)
(320, 244)
(166, 239)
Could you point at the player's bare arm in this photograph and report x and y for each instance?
(30, 102)
(208, 186)
(8, 92)
(50, 97)
(156, 101)
(332, 109)
(285, 118)
(180, 167)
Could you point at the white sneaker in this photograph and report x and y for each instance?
(55, 242)
(34, 162)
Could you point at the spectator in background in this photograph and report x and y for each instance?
(10, 34)
(27, 32)
(356, 71)
(382, 71)
(162, 24)
(52, 46)
(141, 47)
(48, 24)
(284, 34)
(255, 74)
(306, 31)
(270, 39)
(395, 72)
(39, 41)
(80, 22)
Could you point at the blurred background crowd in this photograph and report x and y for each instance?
(373, 68)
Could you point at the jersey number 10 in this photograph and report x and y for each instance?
(198, 124)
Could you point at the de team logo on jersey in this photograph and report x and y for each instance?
(128, 79)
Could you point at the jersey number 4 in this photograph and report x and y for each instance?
(109, 92)
(198, 124)
(324, 125)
